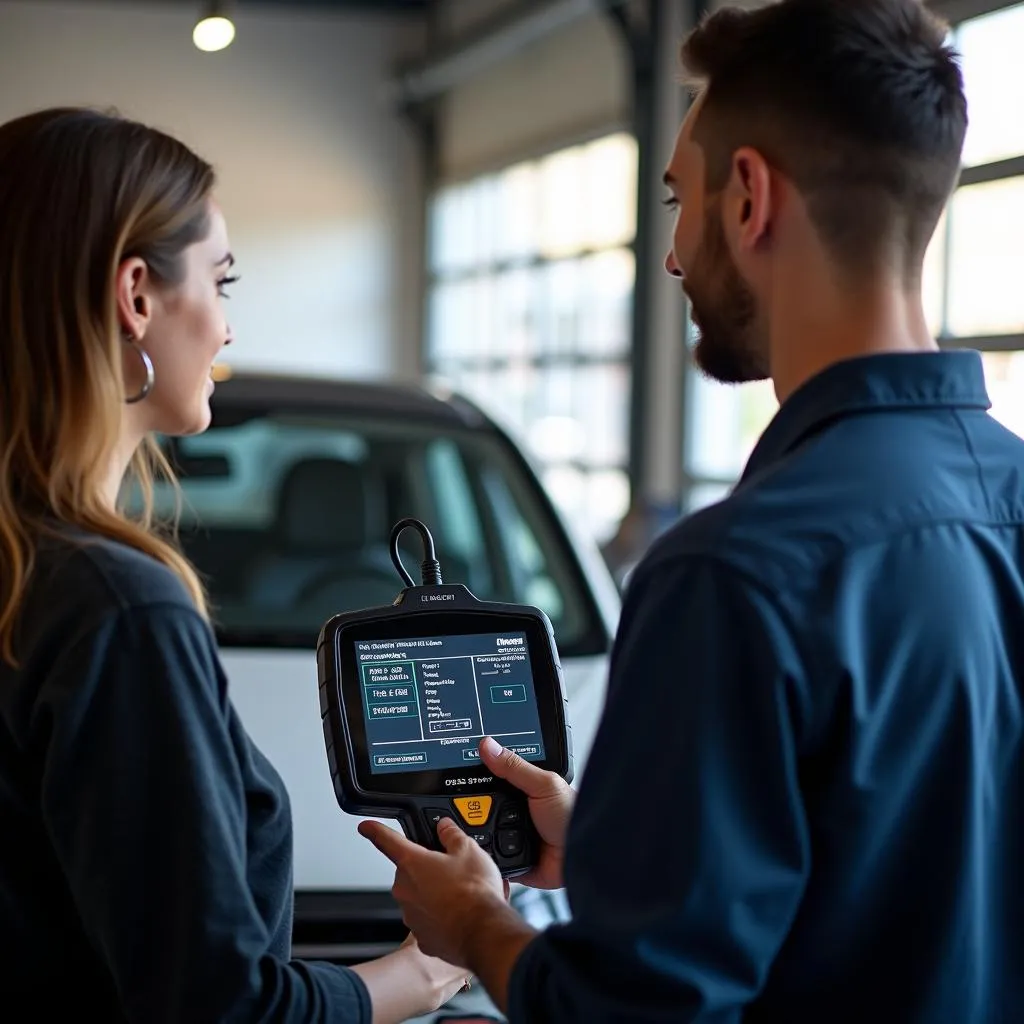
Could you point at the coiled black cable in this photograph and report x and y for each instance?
(430, 567)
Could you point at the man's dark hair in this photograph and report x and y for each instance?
(859, 102)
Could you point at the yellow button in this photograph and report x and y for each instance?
(475, 810)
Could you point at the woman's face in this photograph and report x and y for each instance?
(183, 331)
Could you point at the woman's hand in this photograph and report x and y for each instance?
(408, 983)
(439, 976)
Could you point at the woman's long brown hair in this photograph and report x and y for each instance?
(80, 191)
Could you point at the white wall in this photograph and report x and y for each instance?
(318, 179)
(571, 85)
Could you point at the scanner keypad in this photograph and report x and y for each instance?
(510, 816)
(434, 815)
(474, 810)
(498, 824)
(510, 842)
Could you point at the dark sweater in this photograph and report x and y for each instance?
(145, 843)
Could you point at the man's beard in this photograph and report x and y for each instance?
(725, 312)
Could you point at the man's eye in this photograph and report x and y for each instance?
(671, 203)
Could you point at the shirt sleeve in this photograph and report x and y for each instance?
(688, 849)
(144, 801)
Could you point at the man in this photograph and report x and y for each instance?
(806, 799)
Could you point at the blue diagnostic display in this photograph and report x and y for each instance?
(429, 700)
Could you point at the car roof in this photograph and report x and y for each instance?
(361, 397)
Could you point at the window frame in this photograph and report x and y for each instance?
(539, 361)
(959, 12)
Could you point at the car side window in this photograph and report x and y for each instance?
(481, 521)
(457, 527)
(533, 577)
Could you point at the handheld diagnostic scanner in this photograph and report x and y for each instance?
(408, 690)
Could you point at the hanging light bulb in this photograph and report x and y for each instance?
(214, 30)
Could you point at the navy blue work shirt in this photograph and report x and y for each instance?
(804, 803)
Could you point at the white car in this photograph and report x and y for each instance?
(290, 498)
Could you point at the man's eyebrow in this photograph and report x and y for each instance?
(668, 178)
(228, 259)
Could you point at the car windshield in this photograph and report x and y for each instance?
(287, 516)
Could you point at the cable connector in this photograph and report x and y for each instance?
(430, 567)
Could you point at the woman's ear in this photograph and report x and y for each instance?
(134, 304)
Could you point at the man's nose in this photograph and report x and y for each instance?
(671, 267)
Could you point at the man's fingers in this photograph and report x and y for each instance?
(508, 765)
(452, 837)
(387, 840)
(397, 848)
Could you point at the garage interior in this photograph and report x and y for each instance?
(358, 143)
(464, 196)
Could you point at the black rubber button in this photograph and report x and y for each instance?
(510, 842)
(511, 814)
(433, 816)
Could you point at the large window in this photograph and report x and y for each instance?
(531, 286)
(974, 271)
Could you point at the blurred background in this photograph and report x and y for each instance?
(446, 218)
(464, 192)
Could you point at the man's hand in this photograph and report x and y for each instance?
(550, 800)
(455, 903)
(442, 895)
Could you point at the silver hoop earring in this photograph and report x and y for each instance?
(147, 364)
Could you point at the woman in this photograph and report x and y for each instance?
(146, 850)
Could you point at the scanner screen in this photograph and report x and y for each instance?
(428, 701)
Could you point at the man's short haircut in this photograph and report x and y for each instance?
(859, 102)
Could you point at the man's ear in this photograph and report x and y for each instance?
(134, 303)
(748, 208)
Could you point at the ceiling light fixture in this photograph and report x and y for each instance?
(214, 30)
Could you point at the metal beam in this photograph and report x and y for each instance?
(960, 10)
(985, 342)
(424, 122)
(418, 8)
(642, 42)
(996, 171)
(415, 7)
(496, 40)
(661, 376)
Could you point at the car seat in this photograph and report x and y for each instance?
(328, 541)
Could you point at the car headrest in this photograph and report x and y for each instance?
(327, 505)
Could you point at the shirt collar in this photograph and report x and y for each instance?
(898, 380)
